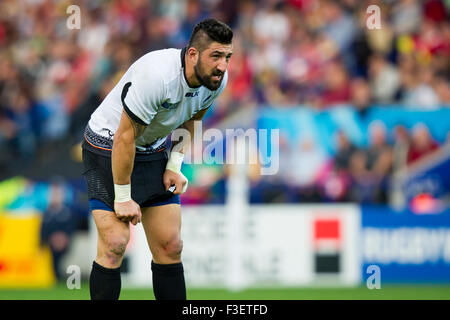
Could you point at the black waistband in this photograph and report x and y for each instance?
(103, 146)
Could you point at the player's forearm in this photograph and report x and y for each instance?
(123, 153)
(183, 145)
(179, 149)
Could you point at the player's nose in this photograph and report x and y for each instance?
(222, 66)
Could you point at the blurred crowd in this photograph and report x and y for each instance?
(354, 173)
(287, 54)
(362, 175)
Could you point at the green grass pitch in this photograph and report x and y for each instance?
(388, 292)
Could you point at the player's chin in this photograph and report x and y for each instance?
(214, 84)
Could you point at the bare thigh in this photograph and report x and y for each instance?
(162, 225)
(113, 237)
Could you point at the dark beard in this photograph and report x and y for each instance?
(204, 79)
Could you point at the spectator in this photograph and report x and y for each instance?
(435, 10)
(416, 89)
(306, 162)
(95, 33)
(424, 95)
(379, 154)
(442, 88)
(369, 168)
(339, 26)
(406, 16)
(383, 78)
(401, 147)
(360, 95)
(334, 184)
(422, 144)
(345, 151)
(58, 225)
(337, 88)
(270, 24)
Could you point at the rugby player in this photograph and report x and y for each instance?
(131, 175)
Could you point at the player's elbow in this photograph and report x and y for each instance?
(124, 137)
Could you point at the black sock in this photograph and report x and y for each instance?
(104, 283)
(168, 281)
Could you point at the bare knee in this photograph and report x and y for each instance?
(173, 249)
(170, 250)
(112, 251)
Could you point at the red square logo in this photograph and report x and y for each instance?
(327, 229)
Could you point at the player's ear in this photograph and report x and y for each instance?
(193, 55)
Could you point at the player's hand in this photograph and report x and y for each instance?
(171, 178)
(128, 211)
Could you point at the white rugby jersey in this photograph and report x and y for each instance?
(153, 91)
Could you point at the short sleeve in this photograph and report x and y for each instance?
(142, 95)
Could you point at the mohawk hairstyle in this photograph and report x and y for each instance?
(210, 30)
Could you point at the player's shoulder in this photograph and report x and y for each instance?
(165, 63)
(169, 55)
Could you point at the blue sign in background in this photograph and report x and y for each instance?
(321, 126)
(408, 248)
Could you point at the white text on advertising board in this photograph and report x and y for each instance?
(406, 245)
